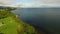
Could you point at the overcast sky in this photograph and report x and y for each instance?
(31, 3)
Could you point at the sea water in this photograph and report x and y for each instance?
(47, 18)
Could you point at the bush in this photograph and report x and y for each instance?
(4, 12)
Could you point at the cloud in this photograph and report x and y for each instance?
(48, 1)
(30, 3)
(51, 1)
(5, 2)
(11, 3)
(42, 3)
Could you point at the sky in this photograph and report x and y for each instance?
(30, 3)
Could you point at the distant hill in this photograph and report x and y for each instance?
(9, 8)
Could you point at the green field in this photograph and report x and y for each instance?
(9, 24)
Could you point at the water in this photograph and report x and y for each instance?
(47, 18)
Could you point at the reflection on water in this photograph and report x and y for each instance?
(47, 18)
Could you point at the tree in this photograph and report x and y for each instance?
(5, 11)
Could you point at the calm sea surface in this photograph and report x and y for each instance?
(48, 18)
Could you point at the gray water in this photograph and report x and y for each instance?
(48, 18)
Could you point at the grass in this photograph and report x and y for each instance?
(9, 26)
(12, 24)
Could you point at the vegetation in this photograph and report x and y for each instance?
(4, 12)
(9, 24)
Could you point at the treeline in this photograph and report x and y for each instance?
(5, 11)
(7, 8)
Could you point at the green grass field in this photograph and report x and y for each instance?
(11, 24)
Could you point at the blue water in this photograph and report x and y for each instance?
(48, 18)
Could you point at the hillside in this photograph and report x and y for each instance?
(9, 24)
